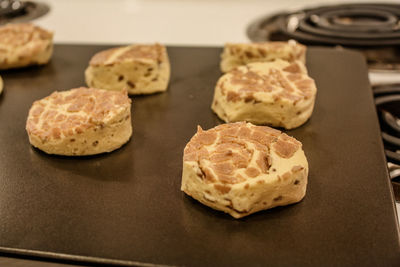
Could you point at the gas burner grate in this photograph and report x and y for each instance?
(372, 29)
(348, 24)
(387, 100)
(21, 11)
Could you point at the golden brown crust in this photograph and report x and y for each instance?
(101, 57)
(142, 52)
(21, 34)
(24, 44)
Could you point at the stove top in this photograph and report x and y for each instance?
(348, 24)
(373, 29)
(21, 11)
(387, 100)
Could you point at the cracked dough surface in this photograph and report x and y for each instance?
(277, 93)
(24, 44)
(80, 121)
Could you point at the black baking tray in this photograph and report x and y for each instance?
(126, 207)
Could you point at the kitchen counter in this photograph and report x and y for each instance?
(171, 22)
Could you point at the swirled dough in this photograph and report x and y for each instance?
(81, 121)
(277, 93)
(240, 168)
(235, 55)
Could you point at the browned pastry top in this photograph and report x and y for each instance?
(128, 53)
(232, 153)
(21, 34)
(66, 113)
(281, 79)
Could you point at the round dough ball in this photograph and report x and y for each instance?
(81, 121)
(24, 44)
(141, 69)
(277, 93)
(240, 168)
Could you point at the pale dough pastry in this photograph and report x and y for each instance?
(81, 121)
(24, 44)
(240, 168)
(277, 93)
(141, 69)
(235, 55)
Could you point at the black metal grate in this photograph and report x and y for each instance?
(373, 29)
(21, 11)
(387, 100)
(348, 24)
